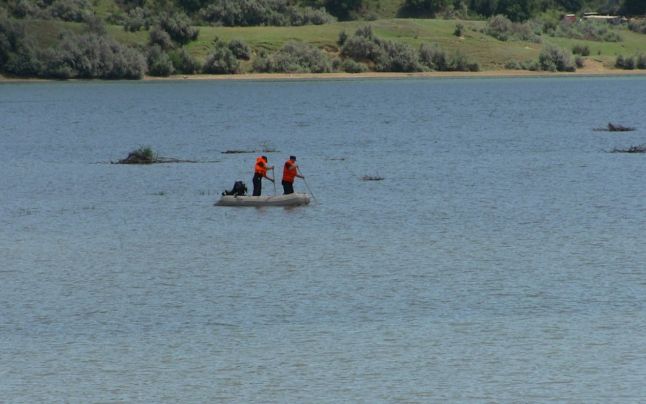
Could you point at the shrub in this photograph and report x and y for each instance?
(179, 28)
(183, 62)
(294, 57)
(527, 65)
(343, 36)
(138, 18)
(499, 27)
(95, 25)
(240, 49)
(351, 66)
(626, 63)
(221, 61)
(513, 65)
(262, 12)
(638, 26)
(587, 30)
(579, 62)
(582, 50)
(503, 29)
(459, 28)
(24, 61)
(158, 36)
(70, 10)
(159, 64)
(361, 48)
(433, 57)
(553, 58)
(12, 35)
(397, 57)
(641, 61)
(460, 63)
(93, 56)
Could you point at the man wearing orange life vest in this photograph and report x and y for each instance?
(290, 171)
(260, 171)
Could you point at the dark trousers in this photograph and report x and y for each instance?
(288, 187)
(257, 184)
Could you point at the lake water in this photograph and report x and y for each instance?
(502, 258)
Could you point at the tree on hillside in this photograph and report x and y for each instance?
(425, 7)
(517, 10)
(343, 9)
(485, 8)
(634, 7)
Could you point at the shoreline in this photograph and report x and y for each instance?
(593, 71)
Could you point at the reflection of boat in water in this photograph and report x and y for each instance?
(295, 199)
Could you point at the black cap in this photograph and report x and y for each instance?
(292, 157)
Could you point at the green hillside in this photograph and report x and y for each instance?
(127, 39)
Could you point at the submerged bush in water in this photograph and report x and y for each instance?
(142, 155)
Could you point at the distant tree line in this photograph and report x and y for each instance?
(142, 14)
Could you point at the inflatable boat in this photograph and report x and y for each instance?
(295, 199)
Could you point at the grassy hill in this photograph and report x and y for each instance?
(488, 52)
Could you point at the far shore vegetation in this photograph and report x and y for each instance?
(129, 39)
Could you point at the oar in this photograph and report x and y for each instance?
(274, 181)
(307, 186)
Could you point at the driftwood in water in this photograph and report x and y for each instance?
(372, 178)
(616, 128)
(239, 151)
(265, 149)
(631, 149)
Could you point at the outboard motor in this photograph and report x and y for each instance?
(239, 189)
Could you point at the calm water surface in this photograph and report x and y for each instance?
(502, 258)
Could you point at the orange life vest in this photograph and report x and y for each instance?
(289, 171)
(261, 167)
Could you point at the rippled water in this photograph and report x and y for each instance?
(500, 259)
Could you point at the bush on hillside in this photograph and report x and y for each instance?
(183, 62)
(70, 10)
(88, 56)
(433, 57)
(178, 26)
(641, 61)
(553, 59)
(294, 57)
(459, 30)
(527, 65)
(587, 30)
(582, 50)
(157, 36)
(579, 62)
(221, 61)
(240, 49)
(638, 26)
(349, 66)
(503, 29)
(262, 12)
(397, 57)
(137, 19)
(12, 34)
(159, 64)
(626, 63)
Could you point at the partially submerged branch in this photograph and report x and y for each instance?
(615, 128)
(631, 149)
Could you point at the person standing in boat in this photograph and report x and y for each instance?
(260, 171)
(290, 172)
